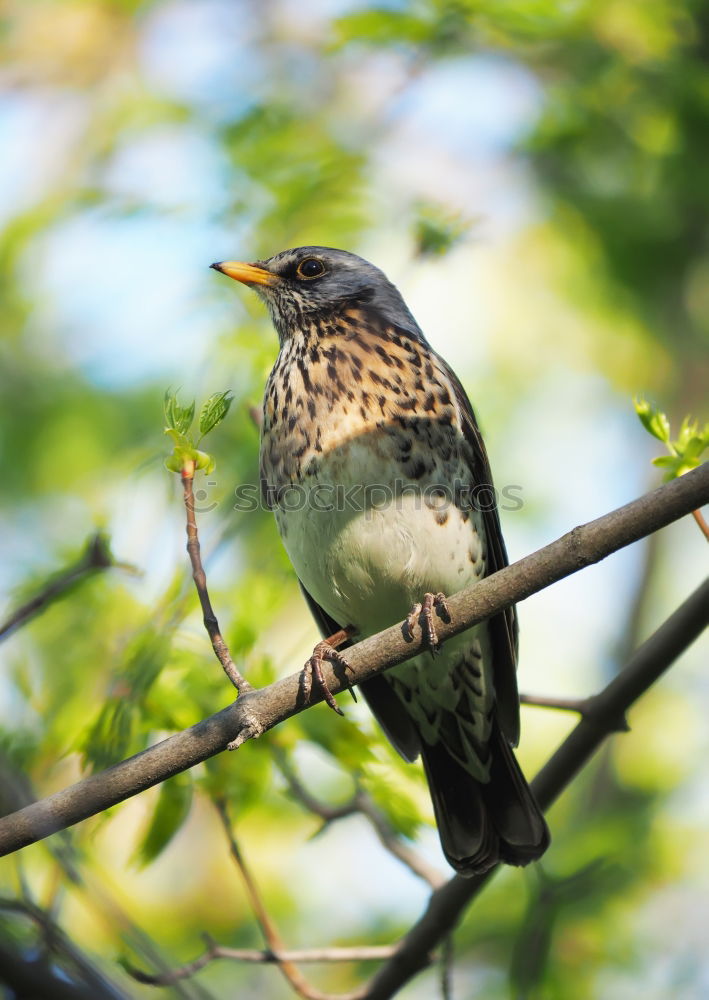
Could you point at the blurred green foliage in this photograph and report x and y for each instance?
(297, 119)
(437, 231)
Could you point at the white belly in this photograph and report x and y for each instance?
(366, 567)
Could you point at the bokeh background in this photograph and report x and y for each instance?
(532, 175)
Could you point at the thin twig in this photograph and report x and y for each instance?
(365, 953)
(547, 701)
(200, 581)
(703, 526)
(259, 711)
(291, 973)
(96, 556)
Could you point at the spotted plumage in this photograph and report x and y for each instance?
(373, 464)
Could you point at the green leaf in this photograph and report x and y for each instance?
(653, 420)
(178, 418)
(688, 430)
(171, 811)
(214, 411)
(692, 442)
(179, 439)
(174, 463)
(694, 448)
(674, 465)
(204, 461)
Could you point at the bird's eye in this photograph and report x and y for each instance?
(311, 267)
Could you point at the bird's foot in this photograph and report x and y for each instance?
(327, 650)
(423, 614)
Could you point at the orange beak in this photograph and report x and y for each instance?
(248, 274)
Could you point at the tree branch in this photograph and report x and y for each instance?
(256, 712)
(605, 714)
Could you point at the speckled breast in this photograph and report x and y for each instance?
(366, 468)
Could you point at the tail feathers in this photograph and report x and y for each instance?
(481, 824)
(524, 834)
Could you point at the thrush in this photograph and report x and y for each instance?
(374, 466)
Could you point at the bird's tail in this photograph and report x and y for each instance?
(481, 824)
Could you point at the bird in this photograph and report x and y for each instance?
(372, 461)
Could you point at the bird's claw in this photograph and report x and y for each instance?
(423, 613)
(324, 651)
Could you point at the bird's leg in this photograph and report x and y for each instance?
(327, 650)
(423, 613)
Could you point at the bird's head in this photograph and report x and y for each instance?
(309, 287)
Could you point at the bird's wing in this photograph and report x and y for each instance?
(382, 701)
(503, 627)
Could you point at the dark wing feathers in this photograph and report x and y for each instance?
(504, 630)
